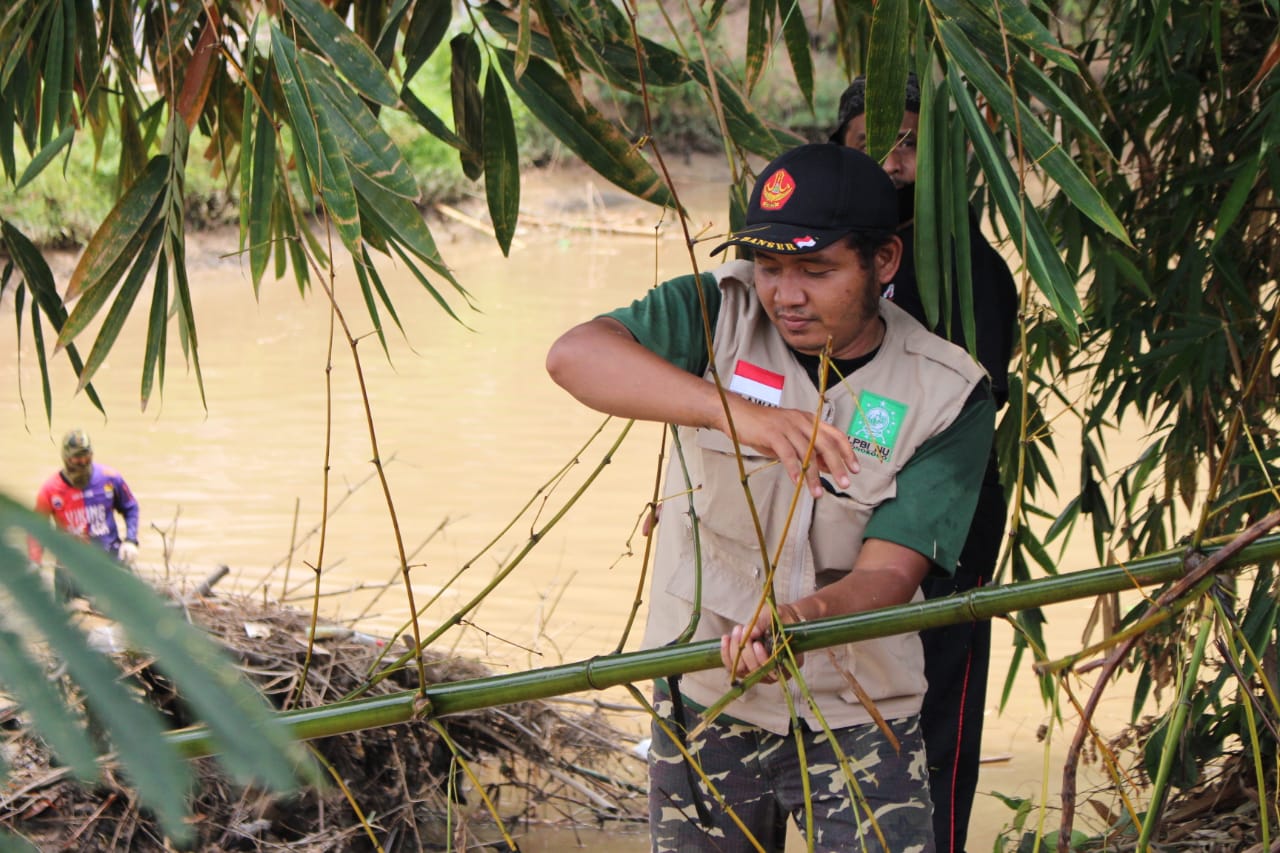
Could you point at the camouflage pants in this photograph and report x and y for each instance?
(759, 776)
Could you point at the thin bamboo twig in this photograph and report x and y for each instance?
(694, 763)
(1251, 721)
(351, 799)
(556, 477)
(475, 782)
(1174, 731)
(420, 644)
(293, 545)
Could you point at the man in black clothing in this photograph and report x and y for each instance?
(956, 656)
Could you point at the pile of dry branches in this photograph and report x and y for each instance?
(538, 762)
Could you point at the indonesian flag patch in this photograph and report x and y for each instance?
(756, 383)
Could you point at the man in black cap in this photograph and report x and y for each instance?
(861, 436)
(956, 656)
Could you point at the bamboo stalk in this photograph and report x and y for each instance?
(598, 673)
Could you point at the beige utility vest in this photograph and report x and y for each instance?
(912, 389)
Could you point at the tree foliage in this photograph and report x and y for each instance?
(1125, 149)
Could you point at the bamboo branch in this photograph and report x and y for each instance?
(1234, 551)
(599, 673)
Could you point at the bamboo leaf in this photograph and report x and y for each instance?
(17, 26)
(119, 231)
(349, 54)
(365, 145)
(119, 312)
(887, 67)
(261, 180)
(197, 77)
(501, 161)
(30, 686)
(160, 777)
(468, 107)
(1024, 224)
(933, 181)
(96, 295)
(399, 222)
(39, 279)
(587, 133)
(429, 120)
(56, 49)
(561, 45)
(757, 39)
(172, 41)
(427, 29)
(45, 156)
(37, 338)
(367, 276)
(251, 743)
(430, 288)
(157, 334)
(522, 37)
(714, 13)
(1018, 21)
(1236, 197)
(174, 253)
(319, 145)
(384, 46)
(795, 34)
(249, 115)
(1042, 147)
(616, 62)
(960, 275)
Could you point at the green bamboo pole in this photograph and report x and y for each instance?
(1174, 730)
(601, 672)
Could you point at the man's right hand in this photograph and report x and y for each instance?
(604, 367)
(785, 434)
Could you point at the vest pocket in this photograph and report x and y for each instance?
(885, 668)
(733, 566)
(838, 522)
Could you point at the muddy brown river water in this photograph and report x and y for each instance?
(473, 435)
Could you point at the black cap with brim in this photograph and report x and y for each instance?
(812, 196)
(782, 239)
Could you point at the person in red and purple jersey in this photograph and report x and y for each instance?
(83, 499)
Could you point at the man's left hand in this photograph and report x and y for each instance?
(746, 645)
(128, 553)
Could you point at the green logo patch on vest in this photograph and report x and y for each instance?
(873, 430)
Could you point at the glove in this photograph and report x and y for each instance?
(128, 553)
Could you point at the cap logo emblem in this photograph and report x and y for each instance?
(777, 190)
(805, 242)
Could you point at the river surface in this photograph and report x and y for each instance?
(474, 438)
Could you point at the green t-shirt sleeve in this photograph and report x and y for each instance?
(938, 489)
(668, 320)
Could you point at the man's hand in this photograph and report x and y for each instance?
(750, 640)
(128, 553)
(784, 434)
(604, 367)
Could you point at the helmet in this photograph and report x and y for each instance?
(74, 442)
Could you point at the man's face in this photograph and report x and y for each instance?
(78, 466)
(900, 165)
(826, 294)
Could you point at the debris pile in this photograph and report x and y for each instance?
(397, 788)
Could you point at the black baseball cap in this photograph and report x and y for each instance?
(812, 196)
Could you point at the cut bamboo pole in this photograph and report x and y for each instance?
(599, 673)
